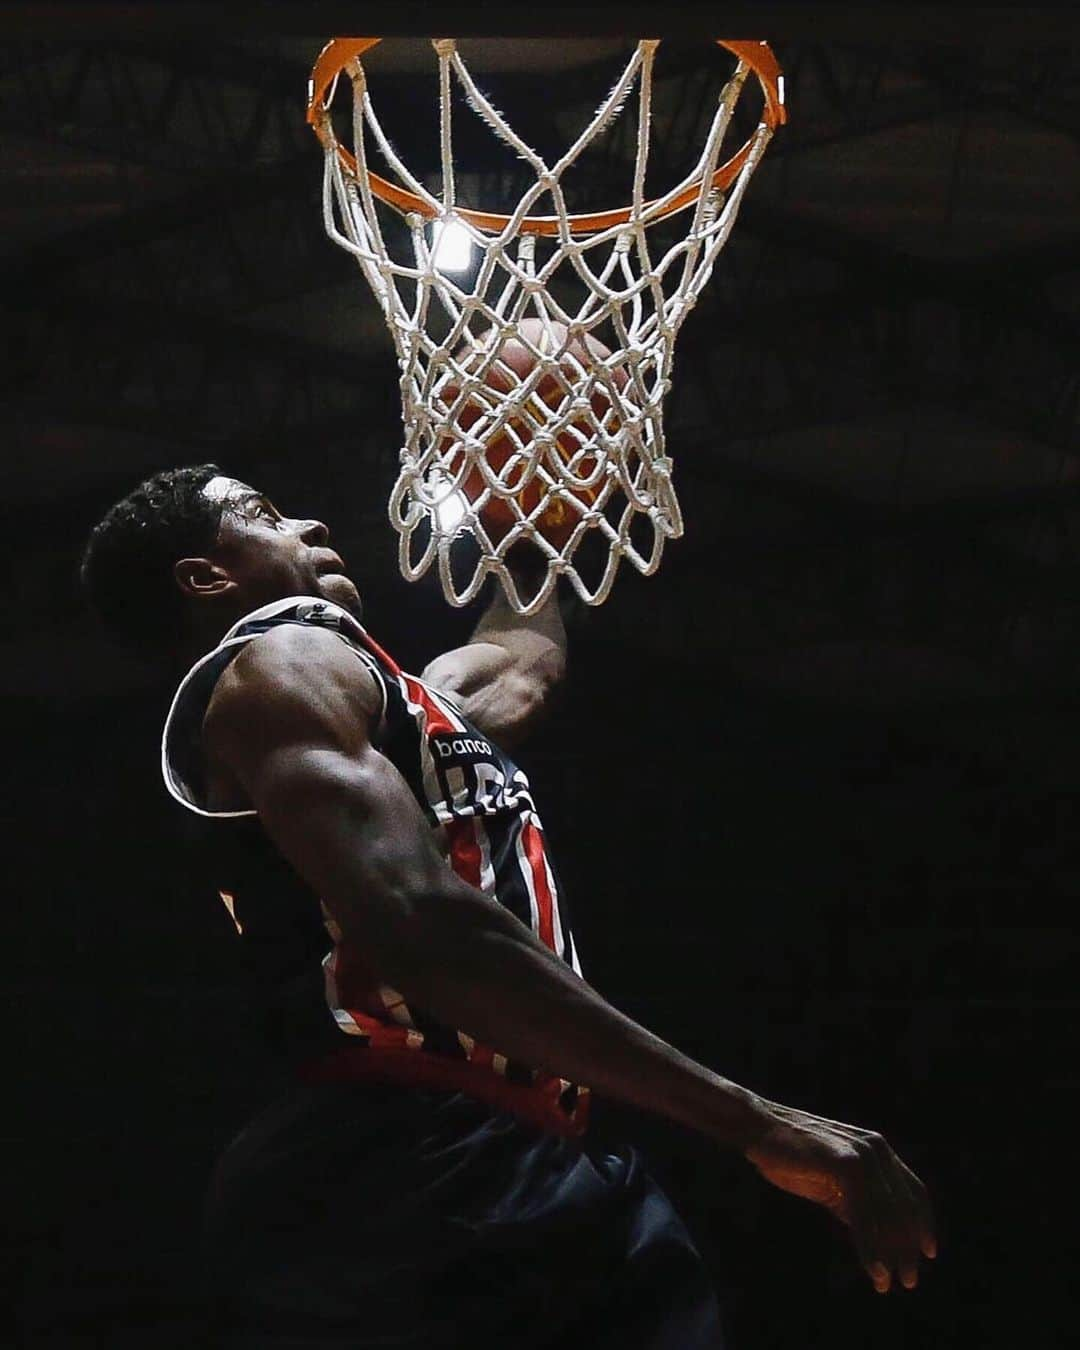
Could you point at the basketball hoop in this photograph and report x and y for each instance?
(571, 388)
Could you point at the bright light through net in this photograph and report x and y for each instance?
(451, 247)
(449, 509)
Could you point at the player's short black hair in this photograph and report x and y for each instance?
(127, 568)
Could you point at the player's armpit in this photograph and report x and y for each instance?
(501, 691)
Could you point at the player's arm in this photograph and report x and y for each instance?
(289, 720)
(504, 677)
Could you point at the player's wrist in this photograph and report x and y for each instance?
(742, 1117)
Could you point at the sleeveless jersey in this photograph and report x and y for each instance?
(324, 1005)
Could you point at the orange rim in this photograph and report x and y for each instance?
(339, 52)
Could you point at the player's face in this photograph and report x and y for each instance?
(270, 556)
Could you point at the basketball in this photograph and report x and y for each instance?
(503, 454)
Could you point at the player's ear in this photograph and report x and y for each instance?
(199, 577)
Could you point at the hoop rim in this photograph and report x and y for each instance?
(339, 52)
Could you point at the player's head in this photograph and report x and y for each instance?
(192, 550)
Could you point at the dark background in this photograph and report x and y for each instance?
(813, 786)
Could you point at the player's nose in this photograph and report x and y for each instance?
(313, 531)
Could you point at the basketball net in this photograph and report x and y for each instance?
(583, 437)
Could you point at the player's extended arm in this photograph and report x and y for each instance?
(289, 720)
(504, 676)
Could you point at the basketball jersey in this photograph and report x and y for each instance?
(324, 1006)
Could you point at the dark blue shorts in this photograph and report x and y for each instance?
(354, 1216)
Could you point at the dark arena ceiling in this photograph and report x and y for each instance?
(875, 410)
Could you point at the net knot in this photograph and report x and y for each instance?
(713, 204)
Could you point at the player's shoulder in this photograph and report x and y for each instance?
(292, 673)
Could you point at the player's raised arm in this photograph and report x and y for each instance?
(504, 677)
(289, 722)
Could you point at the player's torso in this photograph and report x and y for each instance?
(479, 805)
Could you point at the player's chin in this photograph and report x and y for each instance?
(338, 588)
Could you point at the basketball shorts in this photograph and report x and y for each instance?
(352, 1215)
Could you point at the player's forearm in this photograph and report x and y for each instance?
(353, 831)
(475, 967)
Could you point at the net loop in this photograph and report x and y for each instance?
(533, 380)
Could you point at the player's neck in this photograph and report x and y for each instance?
(204, 630)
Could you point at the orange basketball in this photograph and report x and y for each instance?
(559, 518)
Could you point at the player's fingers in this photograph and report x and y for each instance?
(861, 1216)
(881, 1207)
(924, 1211)
(915, 1219)
(867, 1246)
(895, 1226)
(881, 1277)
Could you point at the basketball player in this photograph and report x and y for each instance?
(429, 1182)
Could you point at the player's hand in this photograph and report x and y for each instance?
(855, 1175)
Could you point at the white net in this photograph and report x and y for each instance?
(533, 381)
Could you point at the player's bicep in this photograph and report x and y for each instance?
(295, 733)
(350, 826)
